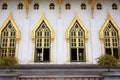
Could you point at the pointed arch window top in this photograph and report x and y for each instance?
(76, 21)
(109, 21)
(10, 21)
(43, 20)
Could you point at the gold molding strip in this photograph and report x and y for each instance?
(109, 18)
(43, 18)
(27, 2)
(60, 2)
(92, 2)
(10, 18)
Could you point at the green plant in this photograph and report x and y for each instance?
(8, 62)
(107, 61)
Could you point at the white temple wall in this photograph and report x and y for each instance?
(59, 25)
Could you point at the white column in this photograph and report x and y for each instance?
(60, 55)
(52, 52)
(68, 53)
(102, 47)
(17, 48)
(33, 52)
(86, 49)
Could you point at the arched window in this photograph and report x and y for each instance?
(20, 6)
(111, 40)
(4, 6)
(99, 6)
(8, 40)
(77, 43)
(114, 6)
(83, 6)
(52, 6)
(10, 36)
(109, 36)
(43, 38)
(77, 38)
(36, 6)
(42, 43)
(67, 6)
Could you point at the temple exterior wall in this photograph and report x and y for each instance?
(59, 25)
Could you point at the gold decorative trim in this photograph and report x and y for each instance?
(10, 18)
(60, 3)
(109, 18)
(43, 18)
(18, 33)
(92, 2)
(76, 18)
(27, 2)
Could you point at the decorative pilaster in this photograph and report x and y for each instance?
(52, 51)
(33, 50)
(68, 52)
(27, 2)
(60, 3)
(92, 2)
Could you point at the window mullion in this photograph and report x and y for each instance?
(8, 45)
(77, 45)
(42, 45)
(111, 43)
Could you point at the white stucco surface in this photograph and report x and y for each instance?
(59, 25)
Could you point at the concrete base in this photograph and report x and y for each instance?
(9, 76)
(111, 75)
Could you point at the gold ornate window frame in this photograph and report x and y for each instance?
(43, 18)
(76, 18)
(101, 32)
(18, 33)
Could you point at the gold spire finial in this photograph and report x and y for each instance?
(108, 11)
(10, 11)
(43, 12)
(60, 2)
(76, 11)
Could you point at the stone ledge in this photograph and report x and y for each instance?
(70, 76)
(111, 74)
(59, 66)
(9, 74)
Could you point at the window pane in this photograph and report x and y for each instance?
(73, 54)
(115, 51)
(38, 55)
(108, 51)
(81, 54)
(46, 54)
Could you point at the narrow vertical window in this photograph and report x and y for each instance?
(67, 6)
(42, 43)
(4, 6)
(36, 6)
(114, 6)
(99, 6)
(52, 6)
(20, 6)
(8, 41)
(77, 43)
(83, 6)
(111, 40)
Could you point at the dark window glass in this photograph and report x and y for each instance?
(73, 54)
